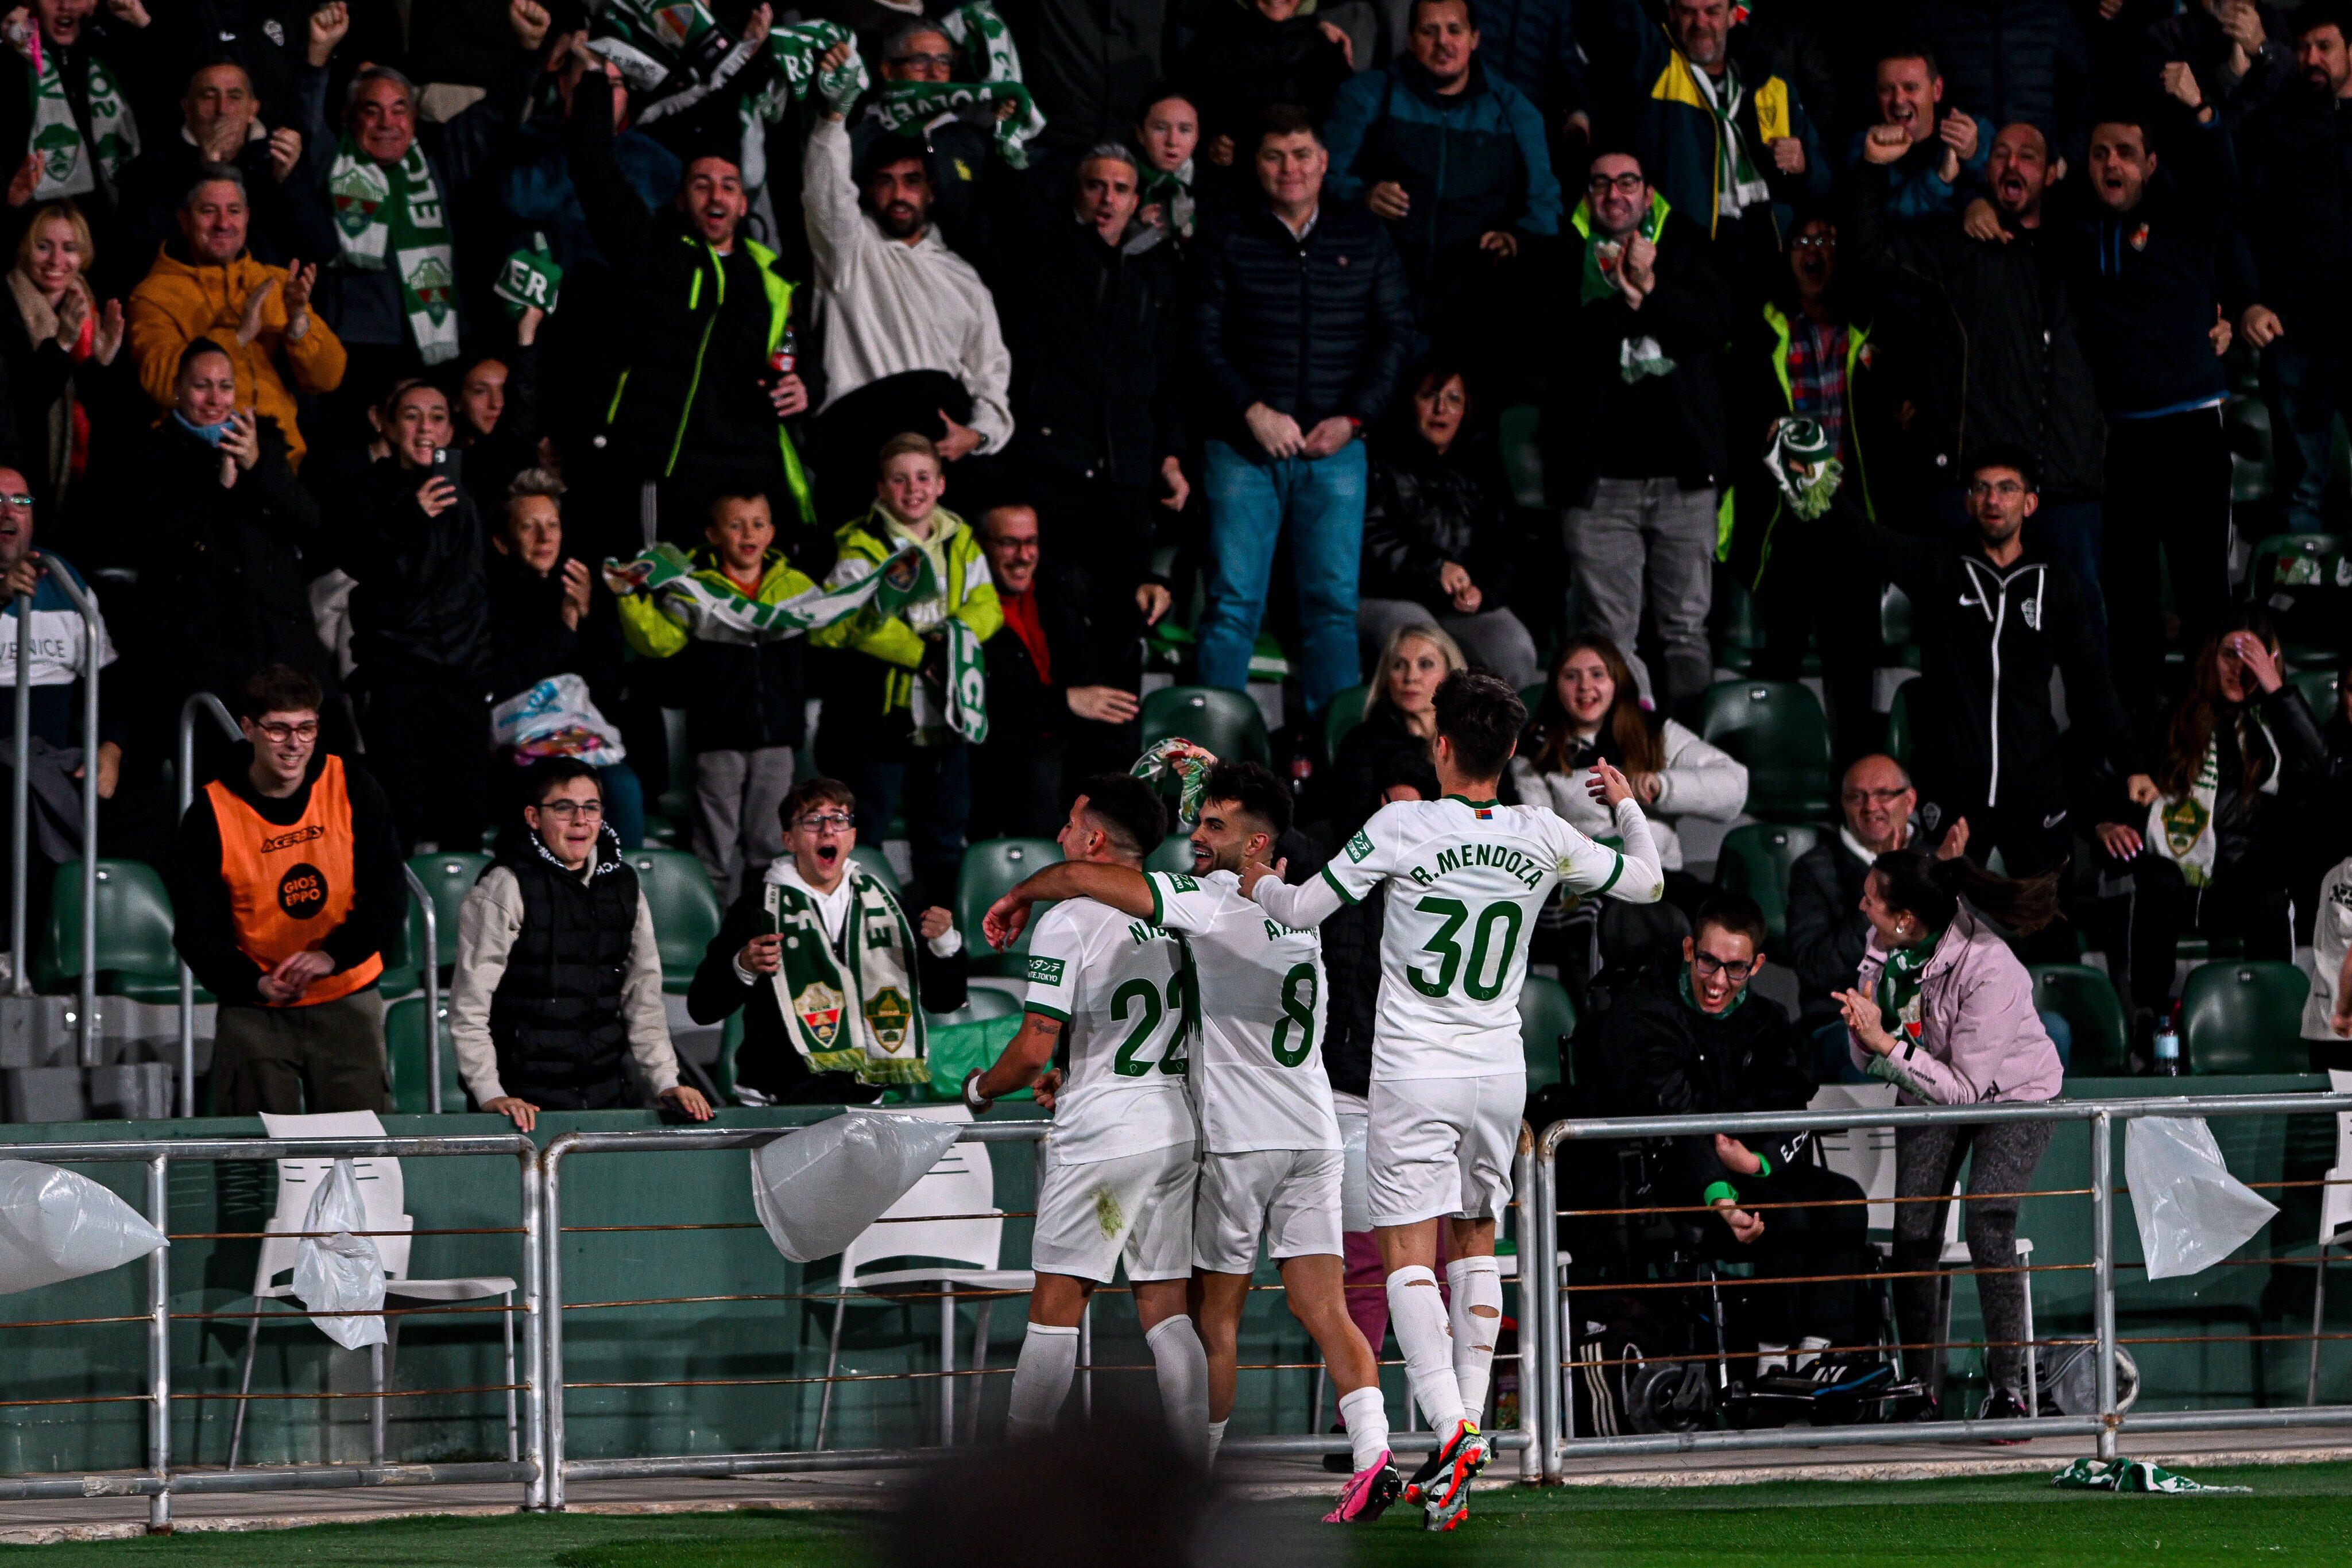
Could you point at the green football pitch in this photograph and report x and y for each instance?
(2296, 1515)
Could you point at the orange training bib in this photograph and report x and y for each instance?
(290, 887)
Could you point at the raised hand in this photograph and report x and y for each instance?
(527, 20)
(328, 24)
(285, 152)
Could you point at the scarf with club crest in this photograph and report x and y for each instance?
(393, 217)
(867, 1020)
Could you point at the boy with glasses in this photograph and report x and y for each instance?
(833, 977)
(289, 886)
(1691, 1039)
(558, 970)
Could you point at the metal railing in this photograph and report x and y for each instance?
(92, 630)
(1545, 1283)
(201, 702)
(161, 1481)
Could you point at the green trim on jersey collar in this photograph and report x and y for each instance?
(1465, 799)
(1344, 896)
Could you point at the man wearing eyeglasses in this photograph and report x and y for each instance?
(288, 890)
(1827, 930)
(559, 973)
(1692, 1039)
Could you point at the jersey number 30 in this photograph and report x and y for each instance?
(1448, 950)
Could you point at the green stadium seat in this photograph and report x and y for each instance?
(677, 802)
(871, 857)
(1226, 722)
(1346, 712)
(403, 1043)
(1547, 1018)
(2302, 579)
(402, 973)
(980, 1003)
(1755, 859)
(2320, 691)
(1898, 725)
(991, 868)
(730, 1040)
(685, 911)
(1777, 730)
(1516, 432)
(449, 876)
(2086, 1000)
(134, 951)
(1739, 631)
(1174, 854)
(2244, 1016)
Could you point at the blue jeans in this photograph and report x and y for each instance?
(1320, 500)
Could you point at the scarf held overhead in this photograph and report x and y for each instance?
(393, 217)
(868, 1021)
(716, 613)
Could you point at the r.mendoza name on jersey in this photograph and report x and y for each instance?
(1514, 863)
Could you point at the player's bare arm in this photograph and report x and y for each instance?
(1023, 1065)
(1122, 888)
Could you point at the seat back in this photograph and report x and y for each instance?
(1346, 712)
(1898, 725)
(1226, 722)
(685, 911)
(448, 875)
(1547, 1019)
(2086, 1000)
(1755, 859)
(871, 857)
(2301, 577)
(1866, 1155)
(676, 800)
(981, 1003)
(382, 1193)
(134, 945)
(990, 869)
(963, 1183)
(1777, 730)
(2244, 1016)
(2335, 1201)
(1516, 432)
(405, 1047)
(2318, 690)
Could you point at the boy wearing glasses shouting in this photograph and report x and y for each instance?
(290, 885)
(558, 969)
(1692, 1039)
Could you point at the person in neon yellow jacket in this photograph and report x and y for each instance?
(898, 705)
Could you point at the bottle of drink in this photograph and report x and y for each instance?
(2167, 1046)
(787, 356)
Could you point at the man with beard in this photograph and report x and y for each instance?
(911, 341)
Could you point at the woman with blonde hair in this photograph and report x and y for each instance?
(1400, 721)
(57, 345)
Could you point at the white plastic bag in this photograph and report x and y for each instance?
(2192, 1212)
(341, 1272)
(557, 718)
(57, 1225)
(817, 1188)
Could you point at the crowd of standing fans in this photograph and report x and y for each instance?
(1365, 341)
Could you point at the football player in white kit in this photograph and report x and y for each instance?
(1464, 877)
(1271, 1140)
(1120, 1163)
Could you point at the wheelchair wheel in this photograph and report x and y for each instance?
(1670, 1397)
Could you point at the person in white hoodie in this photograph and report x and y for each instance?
(911, 340)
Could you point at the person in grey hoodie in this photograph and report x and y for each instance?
(1943, 1009)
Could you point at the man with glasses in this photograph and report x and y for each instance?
(1694, 1039)
(1633, 433)
(959, 144)
(289, 886)
(833, 977)
(1827, 930)
(559, 973)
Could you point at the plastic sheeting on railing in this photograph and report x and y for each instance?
(817, 1189)
(60, 1225)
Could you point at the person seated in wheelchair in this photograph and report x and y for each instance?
(1691, 1037)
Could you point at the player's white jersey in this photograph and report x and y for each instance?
(1465, 880)
(1258, 1063)
(1122, 987)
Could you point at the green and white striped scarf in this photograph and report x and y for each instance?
(1737, 184)
(56, 139)
(717, 615)
(905, 104)
(962, 707)
(394, 216)
(870, 1021)
(795, 52)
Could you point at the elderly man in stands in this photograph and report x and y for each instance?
(1827, 930)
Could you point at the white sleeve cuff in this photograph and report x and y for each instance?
(948, 944)
(743, 977)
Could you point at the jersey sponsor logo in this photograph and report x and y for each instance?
(287, 840)
(1183, 884)
(887, 1011)
(302, 890)
(1359, 847)
(1515, 864)
(819, 1007)
(1044, 971)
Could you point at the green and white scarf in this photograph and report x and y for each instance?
(962, 707)
(1638, 354)
(986, 41)
(1737, 184)
(654, 40)
(1170, 190)
(394, 216)
(795, 52)
(114, 135)
(1898, 988)
(725, 614)
(2181, 831)
(1803, 465)
(868, 1022)
(1191, 773)
(905, 104)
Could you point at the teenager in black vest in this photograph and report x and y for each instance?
(558, 970)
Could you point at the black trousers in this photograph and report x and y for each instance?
(1106, 530)
(2251, 902)
(429, 747)
(930, 786)
(1796, 1292)
(1811, 590)
(2168, 488)
(846, 437)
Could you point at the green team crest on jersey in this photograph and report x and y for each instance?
(1359, 847)
(1044, 971)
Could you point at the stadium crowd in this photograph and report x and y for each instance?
(506, 378)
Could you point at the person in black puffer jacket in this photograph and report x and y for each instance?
(421, 625)
(1440, 541)
(1247, 56)
(1302, 324)
(2013, 61)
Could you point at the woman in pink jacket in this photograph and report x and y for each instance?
(1943, 1009)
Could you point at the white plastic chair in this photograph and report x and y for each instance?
(2335, 1225)
(384, 1194)
(970, 1246)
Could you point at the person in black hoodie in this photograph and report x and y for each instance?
(421, 624)
(1247, 56)
(1993, 622)
(2210, 841)
(1693, 1038)
(2142, 267)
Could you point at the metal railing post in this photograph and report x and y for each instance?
(431, 968)
(201, 702)
(1531, 1287)
(1551, 1321)
(550, 1326)
(90, 630)
(535, 1313)
(158, 1349)
(20, 800)
(2103, 1273)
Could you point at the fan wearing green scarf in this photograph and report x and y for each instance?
(390, 212)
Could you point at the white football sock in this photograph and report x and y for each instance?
(1477, 1319)
(1809, 1350)
(1772, 1358)
(1366, 1414)
(1041, 1380)
(1418, 1316)
(1216, 1437)
(1183, 1368)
